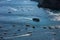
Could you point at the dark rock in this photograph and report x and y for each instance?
(13, 25)
(0, 26)
(35, 0)
(56, 28)
(50, 27)
(54, 33)
(36, 19)
(51, 4)
(27, 25)
(5, 33)
(9, 12)
(15, 34)
(38, 5)
(18, 30)
(1, 37)
(44, 28)
(33, 27)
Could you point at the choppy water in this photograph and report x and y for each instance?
(16, 14)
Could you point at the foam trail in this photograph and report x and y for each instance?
(14, 9)
(14, 19)
(17, 36)
(28, 18)
(56, 16)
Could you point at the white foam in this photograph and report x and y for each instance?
(28, 18)
(17, 36)
(56, 16)
(13, 9)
